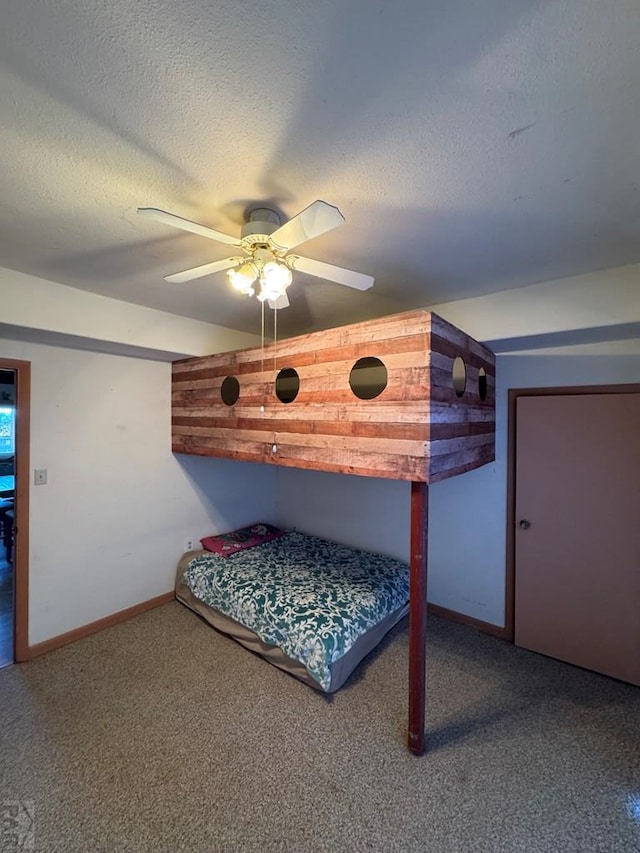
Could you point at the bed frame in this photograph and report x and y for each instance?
(423, 427)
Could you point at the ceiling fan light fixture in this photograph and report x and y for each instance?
(243, 277)
(274, 280)
(277, 275)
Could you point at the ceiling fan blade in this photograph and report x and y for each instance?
(187, 225)
(205, 269)
(313, 221)
(279, 303)
(357, 280)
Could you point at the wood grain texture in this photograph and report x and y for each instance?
(416, 429)
(418, 616)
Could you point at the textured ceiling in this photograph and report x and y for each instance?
(471, 146)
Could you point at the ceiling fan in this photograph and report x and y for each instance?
(266, 244)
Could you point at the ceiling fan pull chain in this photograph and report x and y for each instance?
(275, 342)
(262, 376)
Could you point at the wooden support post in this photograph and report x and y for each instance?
(417, 615)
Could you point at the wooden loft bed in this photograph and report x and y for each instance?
(293, 404)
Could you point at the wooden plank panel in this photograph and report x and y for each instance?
(444, 359)
(334, 443)
(438, 476)
(224, 364)
(369, 469)
(385, 465)
(385, 412)
(450, 412)
(442, 330)
(201, 450)
(332, 391)
(394, 363)
(445, 446)
(394, 327)
(461, 428)
(373, 332)
(459, 458)
(326, 426)
(403, 369)
(378, 465)
(256, 449)
(411, 431)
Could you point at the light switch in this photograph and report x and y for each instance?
(40, 476)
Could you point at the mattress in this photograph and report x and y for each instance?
(309, 606)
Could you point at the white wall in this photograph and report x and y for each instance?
(606, 300)
(36, 309)
(365, 512)
(108, 528)
(467, 514)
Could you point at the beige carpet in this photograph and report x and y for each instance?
(161, 735)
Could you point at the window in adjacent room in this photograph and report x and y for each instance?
(7, 430)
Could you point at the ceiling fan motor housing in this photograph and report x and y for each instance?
(261, 223)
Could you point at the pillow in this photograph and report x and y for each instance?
(226, 544)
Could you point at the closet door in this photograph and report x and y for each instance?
(577, 572)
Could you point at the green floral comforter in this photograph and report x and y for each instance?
(310, 597)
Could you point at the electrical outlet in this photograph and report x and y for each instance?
(189, 543)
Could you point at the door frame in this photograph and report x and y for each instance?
(514, 394)
(21, 521)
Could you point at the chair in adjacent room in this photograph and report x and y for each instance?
(6, 525)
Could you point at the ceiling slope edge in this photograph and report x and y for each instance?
(40, 310)
(595, 307)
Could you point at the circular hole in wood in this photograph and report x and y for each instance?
(230, 390)
(287, 385)
(459, 376)
(368, 378)
(482, 383)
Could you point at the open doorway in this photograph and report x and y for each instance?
(14, 509)
(7, 511)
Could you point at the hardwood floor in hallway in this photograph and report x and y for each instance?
(6, 610)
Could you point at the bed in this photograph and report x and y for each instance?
(311, 607)
(407, 397)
